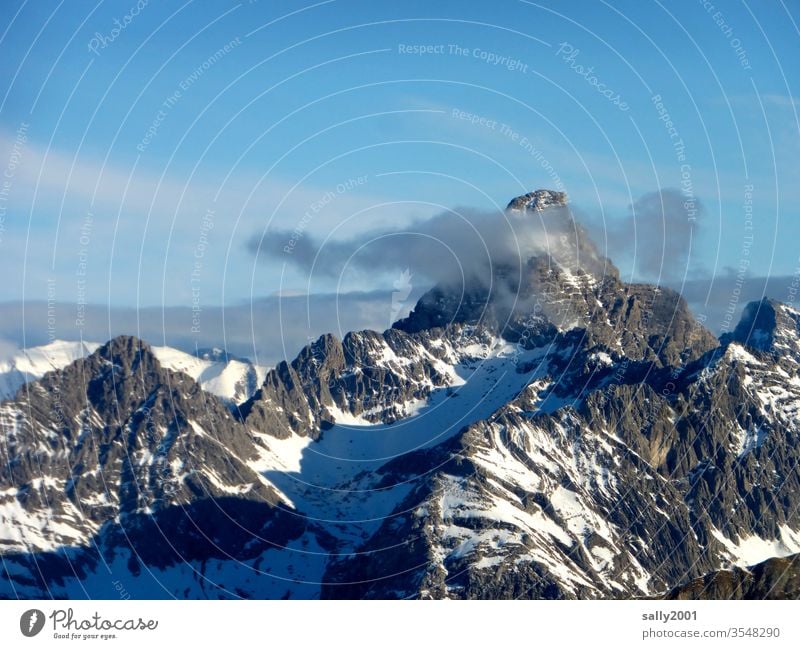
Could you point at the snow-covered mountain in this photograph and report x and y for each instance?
(34, 362)
(587, 439)
(232, 379)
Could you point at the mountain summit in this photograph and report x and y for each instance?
(538, 201)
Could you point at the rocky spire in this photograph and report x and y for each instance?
(538, 201)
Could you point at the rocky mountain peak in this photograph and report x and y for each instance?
(125, 351)
(568, 287)
(767, 325)
(537, 201)
(123, 368)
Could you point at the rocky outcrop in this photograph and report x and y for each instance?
(777, 578)
(538, 201)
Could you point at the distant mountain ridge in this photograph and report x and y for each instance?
(553, 433)
(34, 362)
(231, 378)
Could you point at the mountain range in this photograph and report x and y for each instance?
(233, 379)
(544, 430)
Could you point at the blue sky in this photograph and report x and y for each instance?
(258, 111)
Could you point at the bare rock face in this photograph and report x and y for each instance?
(777, 578)
(538, 200)
(557, 433)
(767, 326)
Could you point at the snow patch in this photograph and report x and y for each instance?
(752, 549)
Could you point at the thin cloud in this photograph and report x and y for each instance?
(658, 235)
(455, 246)
(269, 330)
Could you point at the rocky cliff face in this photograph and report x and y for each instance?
(538, 201)
(772, 579)
(616, 480)
(556, 433)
